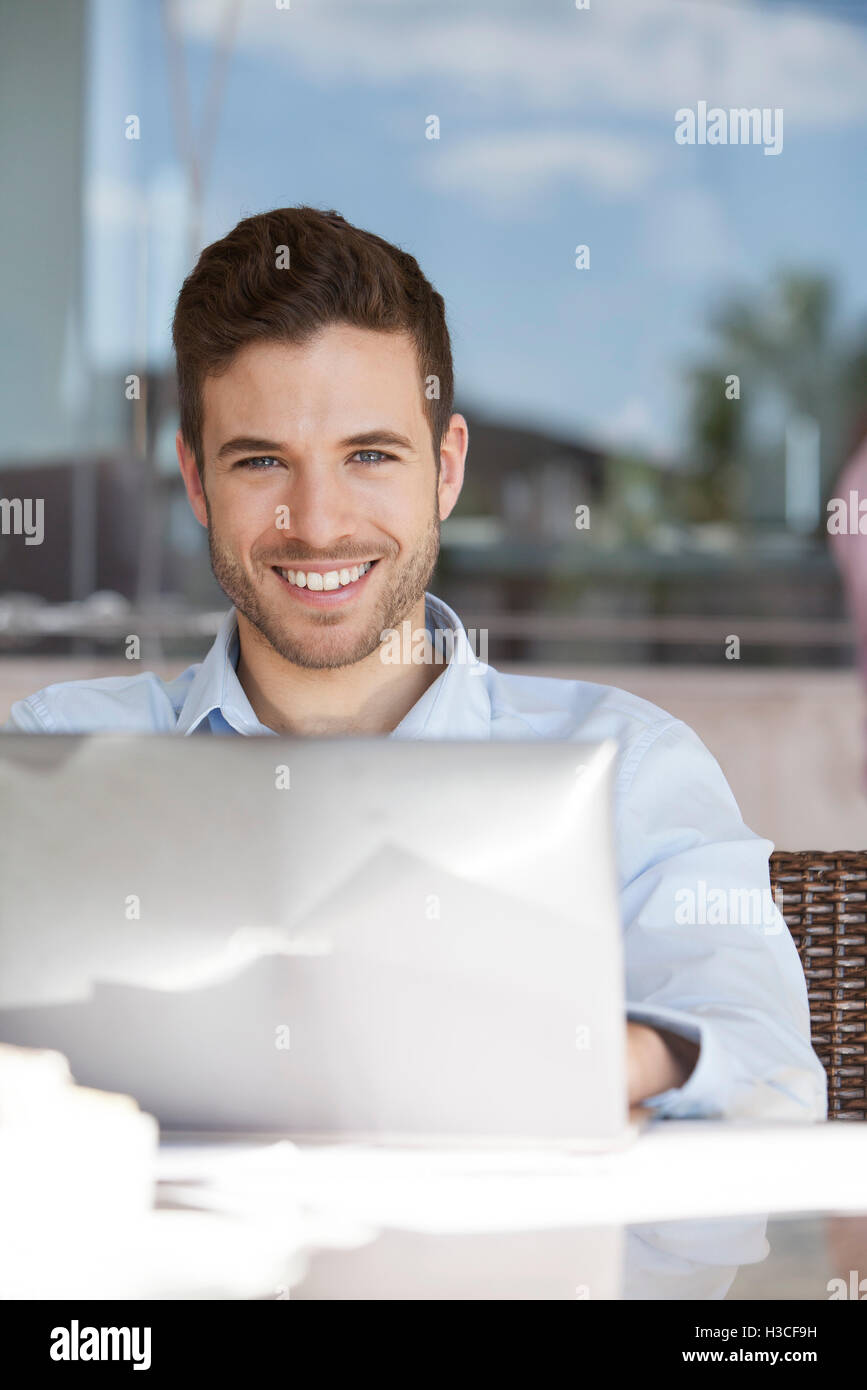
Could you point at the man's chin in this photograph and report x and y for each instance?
(327, 646)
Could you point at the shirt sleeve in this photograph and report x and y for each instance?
(708, 955)
(24, 719)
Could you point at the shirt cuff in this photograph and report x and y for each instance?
(26, 718)
(705, 1091)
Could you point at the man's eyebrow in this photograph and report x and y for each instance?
(247, 444)
(371, 437)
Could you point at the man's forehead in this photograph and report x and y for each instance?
(342, 380)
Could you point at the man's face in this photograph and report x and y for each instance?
(319, 462)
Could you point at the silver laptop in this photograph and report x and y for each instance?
(366, 937)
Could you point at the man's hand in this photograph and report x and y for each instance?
(656, 1060)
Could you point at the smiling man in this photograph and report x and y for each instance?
(323, 503)
(319, 446)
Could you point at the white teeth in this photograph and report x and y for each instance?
(332, 579)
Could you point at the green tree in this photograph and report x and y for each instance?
(791, 357)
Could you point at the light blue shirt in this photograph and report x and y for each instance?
(693, 967)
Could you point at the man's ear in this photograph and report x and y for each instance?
(192, 481)
(453, 453)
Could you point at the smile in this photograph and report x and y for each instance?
(329, 579)
(325, 587)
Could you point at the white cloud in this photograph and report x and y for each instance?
(511, 166)
(636, 57)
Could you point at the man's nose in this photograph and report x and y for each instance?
(321, 509)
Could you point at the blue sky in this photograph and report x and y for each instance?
(557, 128)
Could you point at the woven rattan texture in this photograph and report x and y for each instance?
(823, 897)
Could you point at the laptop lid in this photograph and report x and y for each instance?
(371, 936)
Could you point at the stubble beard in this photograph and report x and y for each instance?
(325, 648)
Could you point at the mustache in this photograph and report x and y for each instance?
(338, 558)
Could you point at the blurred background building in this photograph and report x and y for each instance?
(698, 387)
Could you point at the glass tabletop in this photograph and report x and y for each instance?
(814, 1257)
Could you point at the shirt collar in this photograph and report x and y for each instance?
(216, 697)
(456, 705)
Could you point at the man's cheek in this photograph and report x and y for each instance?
(246, 532)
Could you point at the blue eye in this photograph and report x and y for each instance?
(371, 461)
(259, 463)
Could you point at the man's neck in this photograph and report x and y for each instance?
(370, 697)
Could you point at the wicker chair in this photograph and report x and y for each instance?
(823, 897)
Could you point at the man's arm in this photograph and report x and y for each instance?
(712, 973)
(656, 1061)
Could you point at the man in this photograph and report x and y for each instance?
(319, 447)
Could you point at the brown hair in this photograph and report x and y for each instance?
(239, 294)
